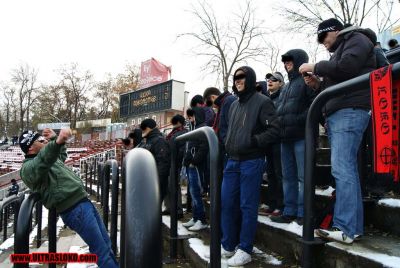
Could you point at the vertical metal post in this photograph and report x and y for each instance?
(86, 175)
(52, 230)
(91, 178)
(5, 222)
(123, 217)
(143, 227)
(106, 194)
(39, 223)
(173, 190)
(114, 204)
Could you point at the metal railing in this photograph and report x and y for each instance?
(9, 205)
(311, 132)
(143, 239)
(207, 134)
(23, 227)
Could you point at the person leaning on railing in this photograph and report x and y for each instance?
(43, 171)
(347, 118)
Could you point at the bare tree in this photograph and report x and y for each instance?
(226, 45)
(305, 15)
(77, 87)
(9, 103)
(24, 78)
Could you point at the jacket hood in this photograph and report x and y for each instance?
(298, 57)
(264, 87)
(199, 114)
(343, 34)
(250, 83)
(218, 101)
(154, 133)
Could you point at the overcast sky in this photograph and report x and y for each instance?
(103, 36)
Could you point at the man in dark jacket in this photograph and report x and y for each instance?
(198, 101)
(222, 102)
(347, 117)
(178, 123)
(43, 171)
(14, 189)
(295, 99)
(195, 155)
(159, 148)
(252, 127)
(275, 82)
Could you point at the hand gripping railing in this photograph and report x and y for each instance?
(357, 83)
(203, 133)
(143, 240)
(21, 242)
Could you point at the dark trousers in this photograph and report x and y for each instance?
(274, 173)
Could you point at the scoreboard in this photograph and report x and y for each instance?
(160, 97)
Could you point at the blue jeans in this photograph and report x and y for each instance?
(240, 196)
(345, 132)
(195, 188)
(292, 157)
(85, 220)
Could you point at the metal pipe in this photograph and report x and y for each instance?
(173, 192)
(21, 241)
(39, 224)
(208, 134)
(100, 171)
(143, 226)
(114, 202)
(106, 194)
(52, 231)
(311, 133)
(122, 231)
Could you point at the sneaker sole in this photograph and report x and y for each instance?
(323, 235)
(239, 265)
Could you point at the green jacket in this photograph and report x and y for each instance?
(46, 174)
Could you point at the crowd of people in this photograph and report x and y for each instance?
(260, 127)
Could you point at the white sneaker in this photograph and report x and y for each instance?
(240, 258)
(335, 235)
(189, 223)
(198, 226)
(224, 253)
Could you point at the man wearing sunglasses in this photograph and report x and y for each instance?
(275, 82)
(347, 118)
(44, 172)
(252, 127)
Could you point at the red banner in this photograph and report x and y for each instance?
(385, 121)
(153, 72)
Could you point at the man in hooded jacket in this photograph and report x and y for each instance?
(252, 127)
(347, 118)
(195, 155)
(295, 99)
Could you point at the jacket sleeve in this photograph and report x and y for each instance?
(268, 119)
(224, 120)
(33, 171)
(300, 118)
(162, 156)
(354, 55)
(381, 60)
(200, 155)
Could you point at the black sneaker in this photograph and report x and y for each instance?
(283, 219)
(300, 221)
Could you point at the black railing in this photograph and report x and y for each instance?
(21, 242)
(393, 55)
(311, 133)
(9, 205)
(111, 170)
(143, 239)
(207, 134)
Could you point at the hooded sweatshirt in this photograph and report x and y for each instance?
(252, 122)
(294, 100)
(353, 55)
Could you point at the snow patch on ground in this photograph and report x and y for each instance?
(181, 229)
(326, 192)
(390, 202)
(292, 227)
(80, 250)
(384, 259)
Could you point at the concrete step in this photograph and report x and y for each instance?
(195, 247)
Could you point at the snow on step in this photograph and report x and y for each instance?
(358, 250)
(390, 202)
(292, 227)
(203, 250)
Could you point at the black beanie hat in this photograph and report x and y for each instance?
(148, 123)
(26, 139)
(330, 25)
